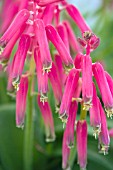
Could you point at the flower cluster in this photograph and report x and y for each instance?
(34, 25)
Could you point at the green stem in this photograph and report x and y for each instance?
(83, 113)
(29, 130)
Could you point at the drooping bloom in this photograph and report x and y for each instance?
(60, 70)
(90, 40)
(72, 38)
(104, 139)
(17, 23)
(48, 120)
(71, 124)
(56, 85)
(41, 77)
(95, 119)
(21, 98)
(81, 133)
(54, 37)
(6, 52)
(37, 26)
(87, 88)
(11, 8)
(101, 80)
(70, 87)
(65, 152)
(19, 59)
(48, 14)
(43, 45)
(63, 34)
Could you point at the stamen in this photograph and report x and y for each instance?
(63, 117)
(109, 112)
(96, 131)
(103, 149)
(87, 105)
(16, 82)
(29, 22)
(43, 98)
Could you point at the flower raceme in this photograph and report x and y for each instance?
(49, 50)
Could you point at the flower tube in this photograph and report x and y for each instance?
(90, 39)
(87, 88)
(70, 87)
(81, 133)
(56, 85)
(21, 101)
(17, 24)
(42, 78)
(54, 37)
(19, 59)
(104, 139)
(101, 80)
(43, 45)
(72, 38)
(48, 120)
(95, 119)
(63, 34)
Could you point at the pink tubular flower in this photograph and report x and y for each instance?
(90, 39)
(101, 80)
(48, 120)
(72, 38)
(87, 88)
(60, 70)
(17, 24)
(43, 45)
(71, 124)
(11, 8)
(5, 53)
(63, 34)
(21, 101)
(110, 82)
(95, 119)
(42, 78)
(104, 139)
(48, 14)
(65, 152)
(46, 2)
(56, 85)
(19, 59)
(77, 61)
(81, 133)
(54, 37)
(111, 133)
(70, 87)
(77, 17)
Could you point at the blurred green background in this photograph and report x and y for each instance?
(47, 156)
